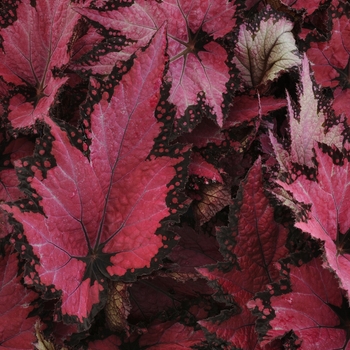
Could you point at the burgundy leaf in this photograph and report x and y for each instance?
(111, 342)
(194, 250)
(265, 48)
(165, 293)
(309, 309)
(201, 168)
(256, 242)
(328, 218)
(197, 62)
(32, 47)
(246, 108)
(101, 214)
(170, 335)
(16, 329)
(206, 132)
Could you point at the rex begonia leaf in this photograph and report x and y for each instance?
(200, 167)
(255, 242)
(237, 329)
(205, 132)
(98, 50)
(165, 293)
(194, 250)
(111, 342)
(9, 183)
(118, 306)
(32, 46)
(17, 331)
(328, 218)
(341, 103)
(101, 214)
(171, 335)
(197, 68)
(330, 59)
(209, 200)
(307, 123)
(308, 6)
(265, 48)
(311, 308)
(245, 108)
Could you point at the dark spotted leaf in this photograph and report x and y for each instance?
(314, 309)
(33, 46)
(251, 244)
(327, 216)
(265, 48)
(197, 69)
(17, 330)
(101, 214)
(308, 124)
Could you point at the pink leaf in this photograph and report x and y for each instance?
(197, 62)
(330, 58)
(328, 218)
(309, 309)
(32, 47)
(17, 331)
(101, 215)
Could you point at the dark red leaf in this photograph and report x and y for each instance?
(206, 132)
(194, 250)
(256, 242)
(245, 108)
(16, 330)
(197, 62)
(171, 335)
(202, 168)
(111, 342)
(32, 47)
(165, 293)
(101, 214)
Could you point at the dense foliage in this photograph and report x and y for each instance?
(174, 174)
